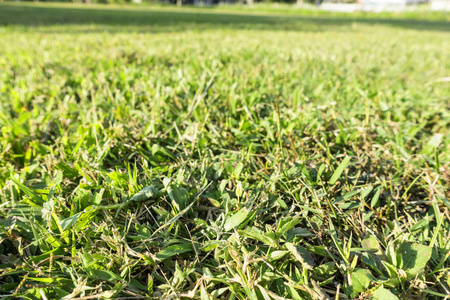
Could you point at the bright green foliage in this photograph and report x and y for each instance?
(383, 294)
(210, 153)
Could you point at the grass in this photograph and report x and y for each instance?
(167, 153)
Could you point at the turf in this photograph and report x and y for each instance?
(167, 153)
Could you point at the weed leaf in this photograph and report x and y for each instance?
(174, 250)
(337, 173)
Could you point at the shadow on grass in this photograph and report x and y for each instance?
(164, 20)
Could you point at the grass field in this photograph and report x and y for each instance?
(164, 153)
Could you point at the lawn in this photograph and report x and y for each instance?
(221, 153)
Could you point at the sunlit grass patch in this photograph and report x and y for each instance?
(161, 153)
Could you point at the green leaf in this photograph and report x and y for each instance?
(179, 196)
(214, 202)
(238, 169)
(371, 242)
(61, 293)
(82, 198)
(335, 240)
(293, 293)
(111, 294)
(218, 292)
(254, 233)
(70, 221)
(300, 254)
(47, 254)
(250, 293)
(85, 220)
(414, 258)
(374, 257)
(337, 173)
(366, 192)
(350, 205)
(118, 179)
(150, 285)
(29, 192)
(210, 245)
(361, 279)
(97, 199)
(142, 231)
(159, 150)
(392, 274)
(68, 171)
(285, 224)
(203, 294)
(375, 198)
(383, 294)
(325, 271)
(174, 219)
(433, 143)
(137, 285)
(81, 220)
(236, 219)
(275, 255)
(174, 250)
(106, 275)
(144, 194)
